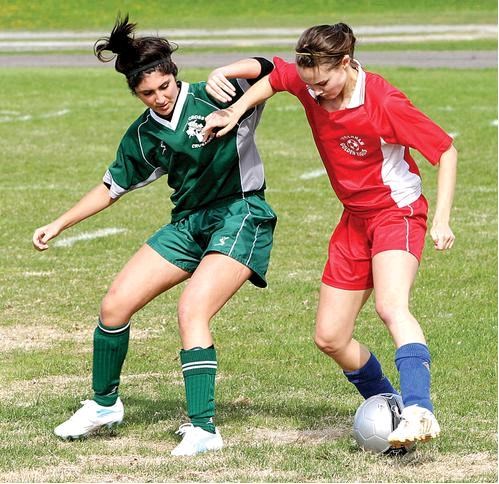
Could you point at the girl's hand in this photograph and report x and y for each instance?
(219, 87)
(442, 236)
(43, 234)
(225, 119)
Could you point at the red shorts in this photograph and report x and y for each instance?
(356, 240)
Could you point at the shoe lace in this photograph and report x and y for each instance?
(184, 428)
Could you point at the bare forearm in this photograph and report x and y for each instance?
(440, 231)
(446, 185)
(93, 202)
(256, 94)
(244, 69)
(226, 119)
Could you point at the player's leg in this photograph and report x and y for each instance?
(239, 249)
(347, 284)
(394, 273)
(213, 283)
(336, 314)
(146, 275)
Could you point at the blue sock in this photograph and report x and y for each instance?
(413, 363)
(369, 380)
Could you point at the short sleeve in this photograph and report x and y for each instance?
(134, 167)
(284, 76)
(408, 126)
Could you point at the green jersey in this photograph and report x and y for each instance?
(199, 172)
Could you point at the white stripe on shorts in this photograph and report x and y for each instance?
(254, 243)
(238, 232)
(407, 248)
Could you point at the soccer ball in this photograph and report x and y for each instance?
(374, 420)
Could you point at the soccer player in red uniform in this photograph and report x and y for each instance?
(363, 128)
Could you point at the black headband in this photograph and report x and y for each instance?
(136, 71)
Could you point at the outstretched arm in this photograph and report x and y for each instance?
(93, 202)
(441, 232)
(218, 85)
(228, 118)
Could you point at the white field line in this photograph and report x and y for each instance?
(69, 241)
(19, 41)
(17, 116)
(309, 175)
(244, 42)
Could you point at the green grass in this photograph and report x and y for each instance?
(93, 14)
(285, 411)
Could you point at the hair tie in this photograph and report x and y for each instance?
(136, 71)
(321, 54)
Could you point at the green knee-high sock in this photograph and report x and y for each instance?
(110, 348)
(199, 367)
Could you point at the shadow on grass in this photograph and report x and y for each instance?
(143, 410)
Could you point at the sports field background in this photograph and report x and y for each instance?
(284, 410)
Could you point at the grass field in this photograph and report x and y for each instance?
(222, 14)
(285, 411)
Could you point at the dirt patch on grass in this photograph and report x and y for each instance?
(28, 338)
(25, 393)
(307, 437)
(424, 466)
(449, 468)
(42, 337)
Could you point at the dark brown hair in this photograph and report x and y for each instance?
(325, 44)
(135, 56)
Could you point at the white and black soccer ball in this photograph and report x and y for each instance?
(374, 420)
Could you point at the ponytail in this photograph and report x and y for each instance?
(135, 56)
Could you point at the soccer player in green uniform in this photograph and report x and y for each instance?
(220, 233)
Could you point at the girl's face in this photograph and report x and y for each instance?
(159, 92)
(327, 83)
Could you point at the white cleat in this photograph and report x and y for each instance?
(417, 424)
(90, 417)
(196, 440)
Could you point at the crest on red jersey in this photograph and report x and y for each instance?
(353, 145)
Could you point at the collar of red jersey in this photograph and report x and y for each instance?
(359, 91)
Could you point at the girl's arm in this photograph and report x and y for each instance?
(441, 232)
(93, 202)
(228, 118)
(218, 85)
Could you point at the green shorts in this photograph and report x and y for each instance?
(240, 228)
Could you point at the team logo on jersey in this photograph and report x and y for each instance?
(353, 145)
(195, 124)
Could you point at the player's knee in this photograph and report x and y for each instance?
(114, 309)
(189, 314)
(391, 313)
(330, 343)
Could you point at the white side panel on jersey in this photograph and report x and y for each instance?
(405, 186)
(250, 163)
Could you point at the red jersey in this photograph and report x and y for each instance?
(365, 147)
